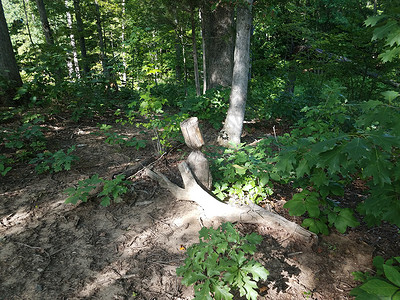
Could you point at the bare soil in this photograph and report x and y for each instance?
(130, 250)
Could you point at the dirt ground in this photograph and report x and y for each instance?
(130, 250)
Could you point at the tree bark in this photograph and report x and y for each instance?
(8, 64)
(233, 126)
(195, 55)
(27, 22)
(81, 37)
(48, 34)
(73, 64)
(103, 55)
(219, 43)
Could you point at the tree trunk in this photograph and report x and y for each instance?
(219, 44)
(203, 44)
(124, 64)
(8, 64)
(27, 22)
(81, 37)
(103, 55)
(73, 65)
(194, 45)
(232, 130)
(45, 22)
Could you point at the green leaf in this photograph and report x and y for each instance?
(392, 274)
(345, 219)
(379, 287)
(316, 226)
(296, 205)
(312, 205)
(257, 270)
(204, 292)
(373, 20)
(222, 292)
(303, 168)
(390, 95)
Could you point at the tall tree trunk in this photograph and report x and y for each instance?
(232, 130)
(8, 64)
(27, 22)
(194, 45)
(219, 43)
(103, 55)
(45, 22)
(124, 64)
(81, 37)
(203, 44)
(73, 65)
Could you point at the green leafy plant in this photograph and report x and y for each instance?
(110, 190)
(54, 162)
(113, 138)
(243, 173)
(4, 169)
(220, 263)
(385, 284)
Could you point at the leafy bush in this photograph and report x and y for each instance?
(111, 190)
(220, 262)
(54, 162)
(211, 106)
(113, 138)
(243, 173)
(385, 284)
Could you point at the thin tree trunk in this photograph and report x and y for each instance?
(45, 22)
(194, 45)
(203, 44)
(8, 64)
(124, 64)
(81, 37)
(27, 23)
(103, 55)
(232, 130)
(73, 65)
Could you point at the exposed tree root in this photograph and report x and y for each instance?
(222, 212)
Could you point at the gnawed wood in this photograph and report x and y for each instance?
(197, 161)
(216, 210)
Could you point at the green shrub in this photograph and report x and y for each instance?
(54, 162)
(220, 263)
(385, 284)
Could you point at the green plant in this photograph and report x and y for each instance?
(385, 284)
(3, 165)
(242, 172)
(165, 127)
(54, 162)
(220, 262)
(114, 138)
(110, 190)
(29, 136)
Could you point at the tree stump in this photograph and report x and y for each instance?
(196, 161)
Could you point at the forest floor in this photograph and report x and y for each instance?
(130, 250)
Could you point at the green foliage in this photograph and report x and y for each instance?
(111, 190)
(54, 162)
(212, 106)
(242, 172)
(4, 161)
(28, 136)
(387, 28)
(220, 263)
(385, 284)
(113, 138)
(165, 126)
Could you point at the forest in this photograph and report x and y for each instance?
(199, 149)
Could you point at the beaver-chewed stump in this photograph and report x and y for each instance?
(197, 182)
